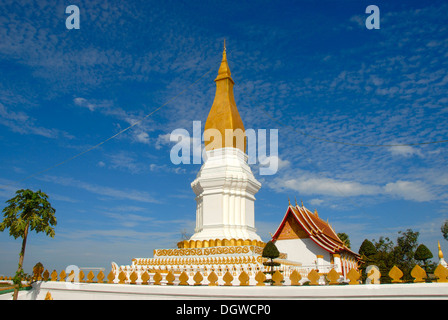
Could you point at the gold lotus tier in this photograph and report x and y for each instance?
(198, 261)
(191, 244)
(235, 250)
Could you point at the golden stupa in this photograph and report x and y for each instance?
(224, 116)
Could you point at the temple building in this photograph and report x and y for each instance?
(310, 241)
(225, 238)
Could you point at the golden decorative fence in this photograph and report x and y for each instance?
(185, 278)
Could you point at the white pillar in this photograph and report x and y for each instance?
(320, 262)
(337, 262)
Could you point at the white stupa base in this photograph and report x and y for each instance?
(225, 191)
(226, 232)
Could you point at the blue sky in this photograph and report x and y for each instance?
(314, 67)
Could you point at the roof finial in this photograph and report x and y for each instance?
(440, 250)
(224, 53)
(295, 200)
(289, 202)
(301, 202)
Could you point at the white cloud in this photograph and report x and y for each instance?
(358, 20)
(21, 123)
(11, 115)
(8, 188)
(409, 190)
(127, 161)
(138, 133)
(128, 194)
(164, 168)
(129, 220)
(103, 105)
(405, 151)
(63, 198)
(279, 163)
(316, 202)
(84, 103)
(162, 140)
(142, 137)
(325, 186)
(101, 164)
(413, 189)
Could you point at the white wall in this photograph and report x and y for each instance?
(302, 250)
(91, 291)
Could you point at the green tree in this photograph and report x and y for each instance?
(344, 238)
(367, 250)
(384, 258)
(423, 254)
(404, 252)
(271, 252)
(444, 230)
(27, 210)
(389, 254)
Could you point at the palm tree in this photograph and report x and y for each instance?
(28, 209)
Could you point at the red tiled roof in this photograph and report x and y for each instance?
(318, 230)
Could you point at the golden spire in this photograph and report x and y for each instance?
(224, 70)
(224, 113)
(440, 250)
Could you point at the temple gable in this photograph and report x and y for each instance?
(292, 230)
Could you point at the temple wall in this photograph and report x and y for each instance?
(302, 250)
